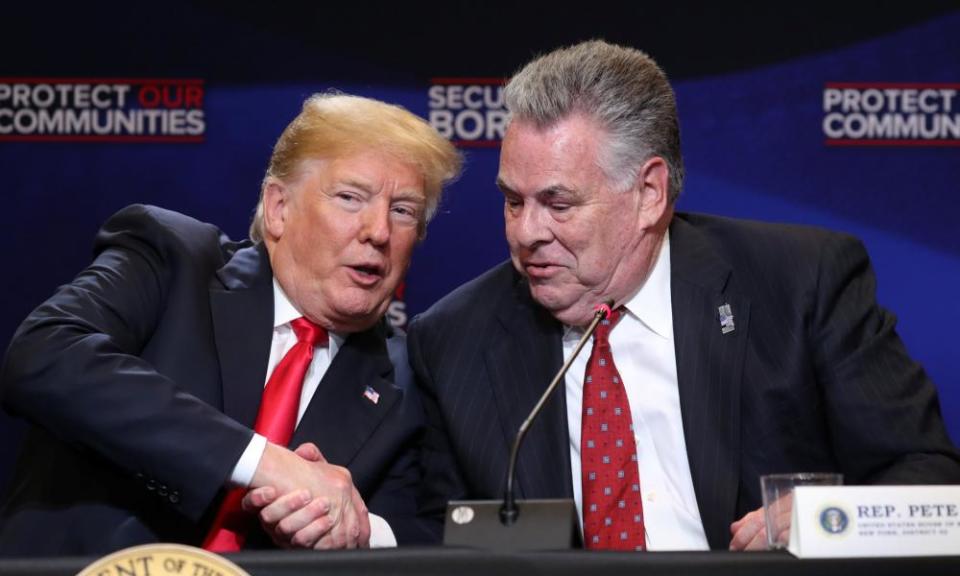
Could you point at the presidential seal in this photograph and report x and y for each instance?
(833, 520)
(162, 560)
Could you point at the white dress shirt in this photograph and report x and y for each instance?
(643, 351)
(284, 338)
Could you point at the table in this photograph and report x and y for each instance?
(465, 562)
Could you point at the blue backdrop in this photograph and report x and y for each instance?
(750, 84)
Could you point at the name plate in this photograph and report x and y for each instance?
(873, 521)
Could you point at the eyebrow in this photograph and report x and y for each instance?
(410, 196)
(401, 194)
(557, 190)
(357, 184)
(553, 190)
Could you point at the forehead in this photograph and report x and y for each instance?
(372, 169)
(563, 154)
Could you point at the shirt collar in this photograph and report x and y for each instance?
(284, 312)
(652, 303)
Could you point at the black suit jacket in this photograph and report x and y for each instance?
(813, 378)
(143, 377)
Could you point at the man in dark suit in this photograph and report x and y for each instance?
(735, 349)
(180, 366)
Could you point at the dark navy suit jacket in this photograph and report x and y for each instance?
(143, 377)
(812, 378)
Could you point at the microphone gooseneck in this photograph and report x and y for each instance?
(509, 511)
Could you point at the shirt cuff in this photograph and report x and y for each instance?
(246, 467)
(381, 535)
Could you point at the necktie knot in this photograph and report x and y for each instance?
(602, 334)
(309, 333)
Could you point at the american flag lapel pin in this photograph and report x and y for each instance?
(372, 395)
(726, 319)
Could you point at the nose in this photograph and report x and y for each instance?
(376, 224)
(529, 227)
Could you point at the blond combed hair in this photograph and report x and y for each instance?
(333, 124)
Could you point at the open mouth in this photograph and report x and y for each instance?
(366, 274)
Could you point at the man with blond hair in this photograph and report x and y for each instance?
(188, 388)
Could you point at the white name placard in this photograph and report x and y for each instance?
(865, 521)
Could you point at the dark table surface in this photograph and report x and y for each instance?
(464, 562)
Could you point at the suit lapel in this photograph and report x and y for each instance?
(709, 366)
(242, 307)
(341, 417)
(524, 354)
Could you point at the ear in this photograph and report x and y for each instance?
(276, 200)
(653, 185)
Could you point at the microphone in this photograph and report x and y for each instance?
(509, 511)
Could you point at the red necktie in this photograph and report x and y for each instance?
(612, 509)
(276, 420)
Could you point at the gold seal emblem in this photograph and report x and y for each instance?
(163, 560)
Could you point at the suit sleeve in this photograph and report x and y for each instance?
(74, 366)
(884, 415)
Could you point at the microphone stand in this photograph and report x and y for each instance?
(509, 511)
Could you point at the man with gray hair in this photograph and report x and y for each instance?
(735, 348)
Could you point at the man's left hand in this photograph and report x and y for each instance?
(297, 519)
(749, 532)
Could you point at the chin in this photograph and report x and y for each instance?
(548, 298)
(566, 310)
(360, 312)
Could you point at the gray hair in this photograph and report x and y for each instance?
(621, 88)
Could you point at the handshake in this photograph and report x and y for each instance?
(302, 501)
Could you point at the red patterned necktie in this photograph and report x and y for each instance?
(276, 420)
(612, 508)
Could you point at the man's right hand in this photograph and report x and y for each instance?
(305, 502)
